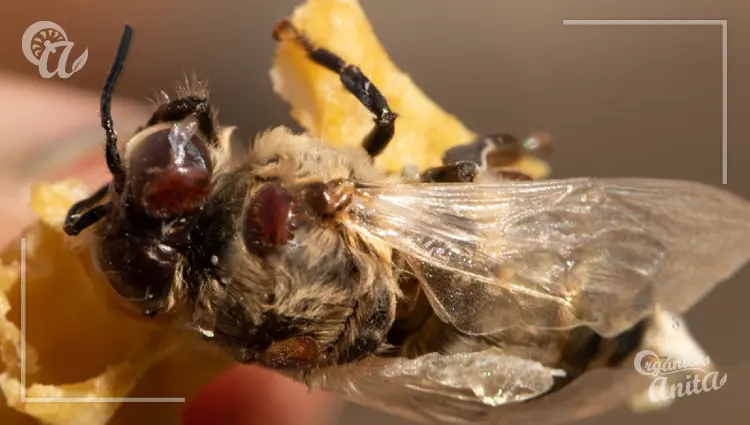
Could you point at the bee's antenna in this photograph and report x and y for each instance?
(86, 212)
(113, 156)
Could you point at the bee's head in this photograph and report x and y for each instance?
(146, 214)
(168, 169)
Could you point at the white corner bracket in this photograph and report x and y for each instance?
(686, 22)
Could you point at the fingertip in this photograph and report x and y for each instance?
(248, 395)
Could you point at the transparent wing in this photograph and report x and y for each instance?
(559, 253)
(435, 388)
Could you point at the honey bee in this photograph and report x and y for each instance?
(468, 293)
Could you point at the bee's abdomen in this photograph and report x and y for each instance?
(575, 351)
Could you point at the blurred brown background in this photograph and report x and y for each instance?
(621, 101)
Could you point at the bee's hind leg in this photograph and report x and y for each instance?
(466, 172)
(496, 152)
(355, 82)
(492, 150)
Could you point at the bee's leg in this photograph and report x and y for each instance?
(459, 172)
(355, 82)
(466, 172)
(179, 109)
(86, 212)
(499, 150)
(87, 219)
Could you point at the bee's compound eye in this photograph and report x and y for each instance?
(140, 271)
(268, 219)
(170, 171)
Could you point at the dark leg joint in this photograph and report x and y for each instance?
(460, 172)
(369, 95)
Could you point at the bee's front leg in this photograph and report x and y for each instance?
(86, 212)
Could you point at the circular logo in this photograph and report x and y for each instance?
(39, 37)
(44, 38)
